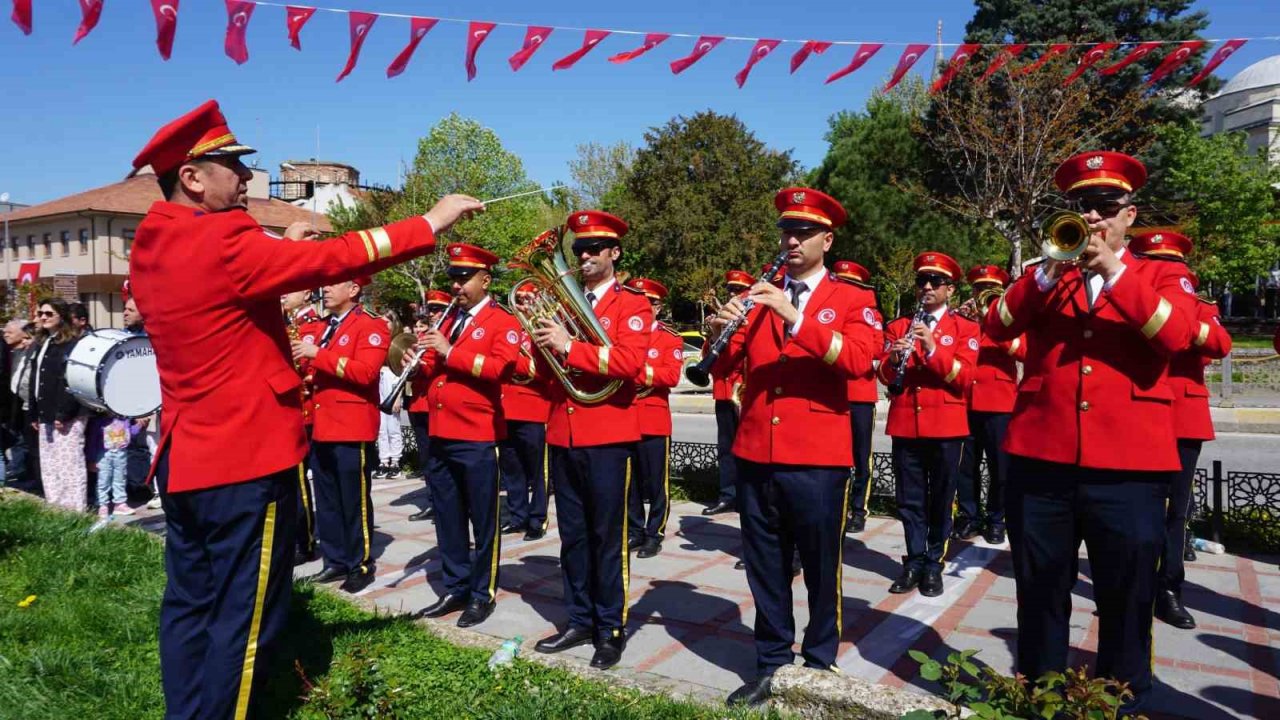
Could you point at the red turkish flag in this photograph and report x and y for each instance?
(125, 292)
(22, 15)
(1139, 52)
(762, 48)
(1008, 53)
(166, 12)
(910, 55)
(360, 23)
(589, 41)
(651, 41)
(418, 28)
(1053, 52)
(90, 13)
(1224, 51)
(810, 47)
(1091, 58)
(700, 49)
(238, 14)
(295, 17)
(534, 36)
(476, 35)
(860, 58)
(29, 272)
(959, 59)
(1175, 59)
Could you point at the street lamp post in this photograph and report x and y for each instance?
(8, 281)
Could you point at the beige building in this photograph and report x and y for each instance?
(1248, 103)
(85, 238)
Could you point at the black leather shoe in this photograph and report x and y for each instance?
(510, 529)
(423, 514)
(994, 535)
(1188, 551)
(302, 557)
(740, 565)
(356, 581)
(906, 582)
(413, 475)
(609, 651)
(1169, 608)
(326, 575)
(535, 534)
(931, 583)
(476, 613)
(449, 602)
(855, 525)
(720, 507)
(752, 694)
(966, 530)
(651, 547)
(634, 544)
(561, 641)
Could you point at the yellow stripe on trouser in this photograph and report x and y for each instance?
(497, 530)
(306, 504)
(626, 560)
(1151, 660)
(844, 517)
(546, 474)
(364, 512)
(255, 624)
(946, 540)
(666, 485)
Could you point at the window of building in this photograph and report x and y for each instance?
(48, 245)
(127, 234)
(15, 242)
(84, 241)
(31, 247)
(64, 238)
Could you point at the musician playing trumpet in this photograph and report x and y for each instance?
(800, 343)
(464, 361)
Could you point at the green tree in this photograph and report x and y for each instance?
(1223, 196)
(699, 201)
(600, 170)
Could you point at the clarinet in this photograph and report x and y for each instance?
(900, 370)
(700, 374)
(411, 365)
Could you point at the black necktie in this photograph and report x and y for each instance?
(591, 298)
(457, 326)
(328, 332)
(930, 319)
(797, 289)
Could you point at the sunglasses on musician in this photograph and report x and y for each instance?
(1105, 208)
(592, 248)
(926, 279)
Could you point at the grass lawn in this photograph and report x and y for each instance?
(85, 647)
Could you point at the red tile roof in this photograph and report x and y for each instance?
(135, 195)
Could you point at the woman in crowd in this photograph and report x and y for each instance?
(56, 415)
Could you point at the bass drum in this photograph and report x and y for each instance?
(115, 371)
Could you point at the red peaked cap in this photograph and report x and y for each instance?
(201, 132)
(739, 278)
(936, 262)
(363, 281)
(1100, 169)
(652, 289)
(850, 270)
(596, 224)
(988, 274)
(438, 297)
(776, 279)
(465, 259)
(804, 207)
(1162, 242)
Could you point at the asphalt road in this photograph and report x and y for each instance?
(1237, 451)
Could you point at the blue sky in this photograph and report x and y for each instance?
(76, 116)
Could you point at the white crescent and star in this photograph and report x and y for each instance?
(361, 29)
(421, 32)
(764, 50)
(703, 47)
(1182, 53)
(1225, 53)
(172, 11)
(910, 57)
(535, 40)
(240, 19)
(480, 33)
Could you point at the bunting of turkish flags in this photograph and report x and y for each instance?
(651, 41)
(477, 32)
(1174, 60)
(704, 45)
(90, 13)
(1139, 52)
(1006, 54)
(418, 29)
(295, 18)
(811, 47)
(29, 272)
(360, 23)
(22, 15)
(958, 60)
(534, 36)
(1224, 51)
(762, 48)
(909, 57)
(1091, 58)
(238, 14)
(860, 57)
(166, 12)
(589, 41)
(1053, 52)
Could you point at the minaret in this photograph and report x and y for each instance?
(937, 60)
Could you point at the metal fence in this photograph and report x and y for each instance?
(1246, 377)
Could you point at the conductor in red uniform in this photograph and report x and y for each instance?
(209, 280)
(1092, 443)
(863, 393)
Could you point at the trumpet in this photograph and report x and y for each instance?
(700, 374)
(409, 358)
(1065, 236)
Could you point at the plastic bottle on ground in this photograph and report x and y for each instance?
(1209, 546)
(505, 654)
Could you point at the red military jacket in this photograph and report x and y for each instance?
(524, 393)
(210, 286)
(309, 326)
(1095, 389)
(466, 387)
(1191, 417)
(795, 409)
(993, 386)
(660, 373)
(346, 379)
(863, 388)
(933, 401)
(726, 382)
(416, 397)
(626, 317)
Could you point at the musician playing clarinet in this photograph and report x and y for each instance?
(800, 343)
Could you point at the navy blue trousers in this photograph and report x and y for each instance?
(465, 477)
(523, 458)
(228, 560)
(344, 506)
(653, 486)
(419, 421)
(726, 431)
(1119, 515)
(926, 471)
(306, 507)
(785, 508)
(863, 418)
(591, 486)
(985, 439)
(1172, 570)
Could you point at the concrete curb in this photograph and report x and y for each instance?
(822, 695)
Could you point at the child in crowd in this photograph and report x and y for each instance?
(390, 440)
(113, 470)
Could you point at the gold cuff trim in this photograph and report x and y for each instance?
(368, 244)
(382, 241)
(1203, 336)
(604, 360)
(955, 371)
(1006, 317)
(477, 365)
(1158, 319)
(341, 370)
(833, 350)
(648, 374)
(1013, 347)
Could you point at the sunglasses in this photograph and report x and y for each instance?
(1104, 208)
(594, 248)
(45, 313)
(936, 281)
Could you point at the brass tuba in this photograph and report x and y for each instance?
(986, 296)
(1065, 236)
(553, 292)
